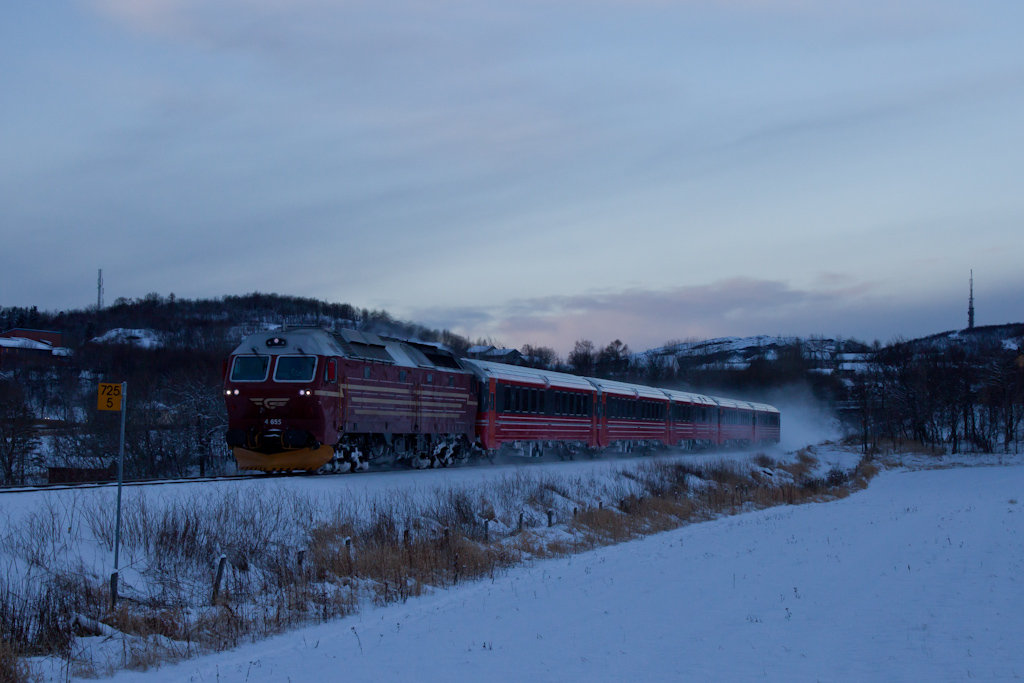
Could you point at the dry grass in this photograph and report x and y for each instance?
(294, 560)
(13, 669)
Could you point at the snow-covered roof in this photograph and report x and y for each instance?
(22, 343)
(523, 375)
(304, 340)
(743, 405)
(33, 345)
(687, 397)
(732, 403)
(614, 388)
(347, 344)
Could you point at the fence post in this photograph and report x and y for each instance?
(220, 575)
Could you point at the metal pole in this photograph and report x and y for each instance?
(120, 482)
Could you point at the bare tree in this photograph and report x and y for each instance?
(540, 356)
(582, 356)
(18, 435)
(613, 360)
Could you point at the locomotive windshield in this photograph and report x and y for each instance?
(250, 368)
(295, 369)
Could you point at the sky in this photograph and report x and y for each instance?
(531, 172)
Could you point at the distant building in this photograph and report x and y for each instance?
(507, 356)
(54, 339)
(853, 363)
(20, 346)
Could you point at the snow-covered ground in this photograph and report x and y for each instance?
(143, 338)
(916, 578)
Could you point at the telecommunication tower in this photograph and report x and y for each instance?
(99, 291)
(970, 305)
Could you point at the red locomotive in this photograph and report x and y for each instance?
(308, 399)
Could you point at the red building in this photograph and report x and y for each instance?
(54, 339)
(31, 346)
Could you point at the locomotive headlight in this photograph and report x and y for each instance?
(305, 392)
(227, 392)
(236, 392)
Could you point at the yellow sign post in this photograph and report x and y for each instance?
(110, 396)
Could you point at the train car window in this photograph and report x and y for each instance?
(295, 369)
(250, 368)
(331, 373)
(540, 402)
(506, 404)
(430, 378)
(366, 372)
(492, 401)
(401, 375)
(451, 381)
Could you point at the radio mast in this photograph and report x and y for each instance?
(99, 291)
(970, 305)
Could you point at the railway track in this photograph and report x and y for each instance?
(66, 486)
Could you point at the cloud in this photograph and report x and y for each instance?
(643, 318)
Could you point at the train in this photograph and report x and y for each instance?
(321, 401)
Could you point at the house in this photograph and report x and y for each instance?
(507, 356)
(20, 346)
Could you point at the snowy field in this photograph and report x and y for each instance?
(918, 578)
(366, 486)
